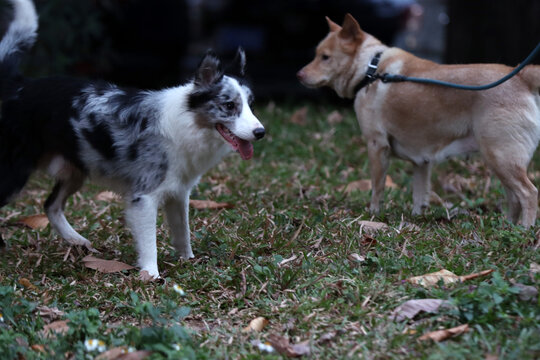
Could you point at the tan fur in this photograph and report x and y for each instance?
(426, 124)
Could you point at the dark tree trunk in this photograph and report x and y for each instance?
(492, 31)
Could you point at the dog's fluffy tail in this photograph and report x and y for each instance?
(19, 38)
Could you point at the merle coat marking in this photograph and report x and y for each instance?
(150, 146)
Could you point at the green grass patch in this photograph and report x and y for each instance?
(288, 251)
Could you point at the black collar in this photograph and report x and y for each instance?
(370, 73)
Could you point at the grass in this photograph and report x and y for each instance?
(289, 204)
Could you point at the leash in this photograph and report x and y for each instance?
(371, 76)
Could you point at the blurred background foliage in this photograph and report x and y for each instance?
(153, 44)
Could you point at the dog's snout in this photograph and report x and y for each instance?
(259, 133)
(300, 75)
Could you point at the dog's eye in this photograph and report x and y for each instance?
(325, 57)
(230, 105)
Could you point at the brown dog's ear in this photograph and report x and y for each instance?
(332, 25)
(351, 30)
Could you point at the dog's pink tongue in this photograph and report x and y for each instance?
(245, 148)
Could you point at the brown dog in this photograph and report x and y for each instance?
(426, 124)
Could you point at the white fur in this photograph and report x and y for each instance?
(25, 22)
(247, 123)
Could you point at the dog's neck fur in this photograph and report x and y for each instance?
(201, 148)
(357, 70)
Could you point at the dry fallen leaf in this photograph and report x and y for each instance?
(356, 258)
(534, 268)
(358, 185)
(48, 313)
(365, 185)
(56, 327)
(108, 196)
(447, 277)
(284, 347)
(27, 284)
(105, 266)
(36, 222)
(136, 355)
(122, 353)
(440, 335)
(209, 204)
(334, 117)
(299, 117)
(411, 308)
(256, 324)
(372, 226)
(38, 348)
(288, 260)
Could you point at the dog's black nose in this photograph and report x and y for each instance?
(259, 133)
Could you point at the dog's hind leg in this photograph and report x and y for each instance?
(55, 204)
(421, 187)
(521, 193)
(177, 212)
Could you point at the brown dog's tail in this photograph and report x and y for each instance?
(531, 75)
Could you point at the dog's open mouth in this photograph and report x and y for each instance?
(244, 147)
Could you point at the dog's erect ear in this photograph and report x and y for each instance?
(209, 70)
(238, 65)
(332, 25)
(351, 30)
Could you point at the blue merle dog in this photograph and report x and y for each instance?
(152, 147)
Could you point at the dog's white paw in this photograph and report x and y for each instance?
(79, 241)
(149, 273)
(186, 255)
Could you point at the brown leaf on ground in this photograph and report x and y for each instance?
(136, 355)
(36, 222)
(284, 347)
(49, 314)
(121, 353)
(288, 260)
(354, 257)
(372, 226)
(299, 117)
(334, 117)
(108, 196)
(256, 324)
(440, 335)
(447, 277)
(38, 347)
(209, 204)
(27, 284)
(365, 185)
(409, 309)
(54, 328)
(389, 183)
(105, 266)
(368, 241)
(358, 185)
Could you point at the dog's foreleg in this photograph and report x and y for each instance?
(514, 207)
(421, 187)
(177, 212)
(141, 215)
(54, 208)
(378, 152)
